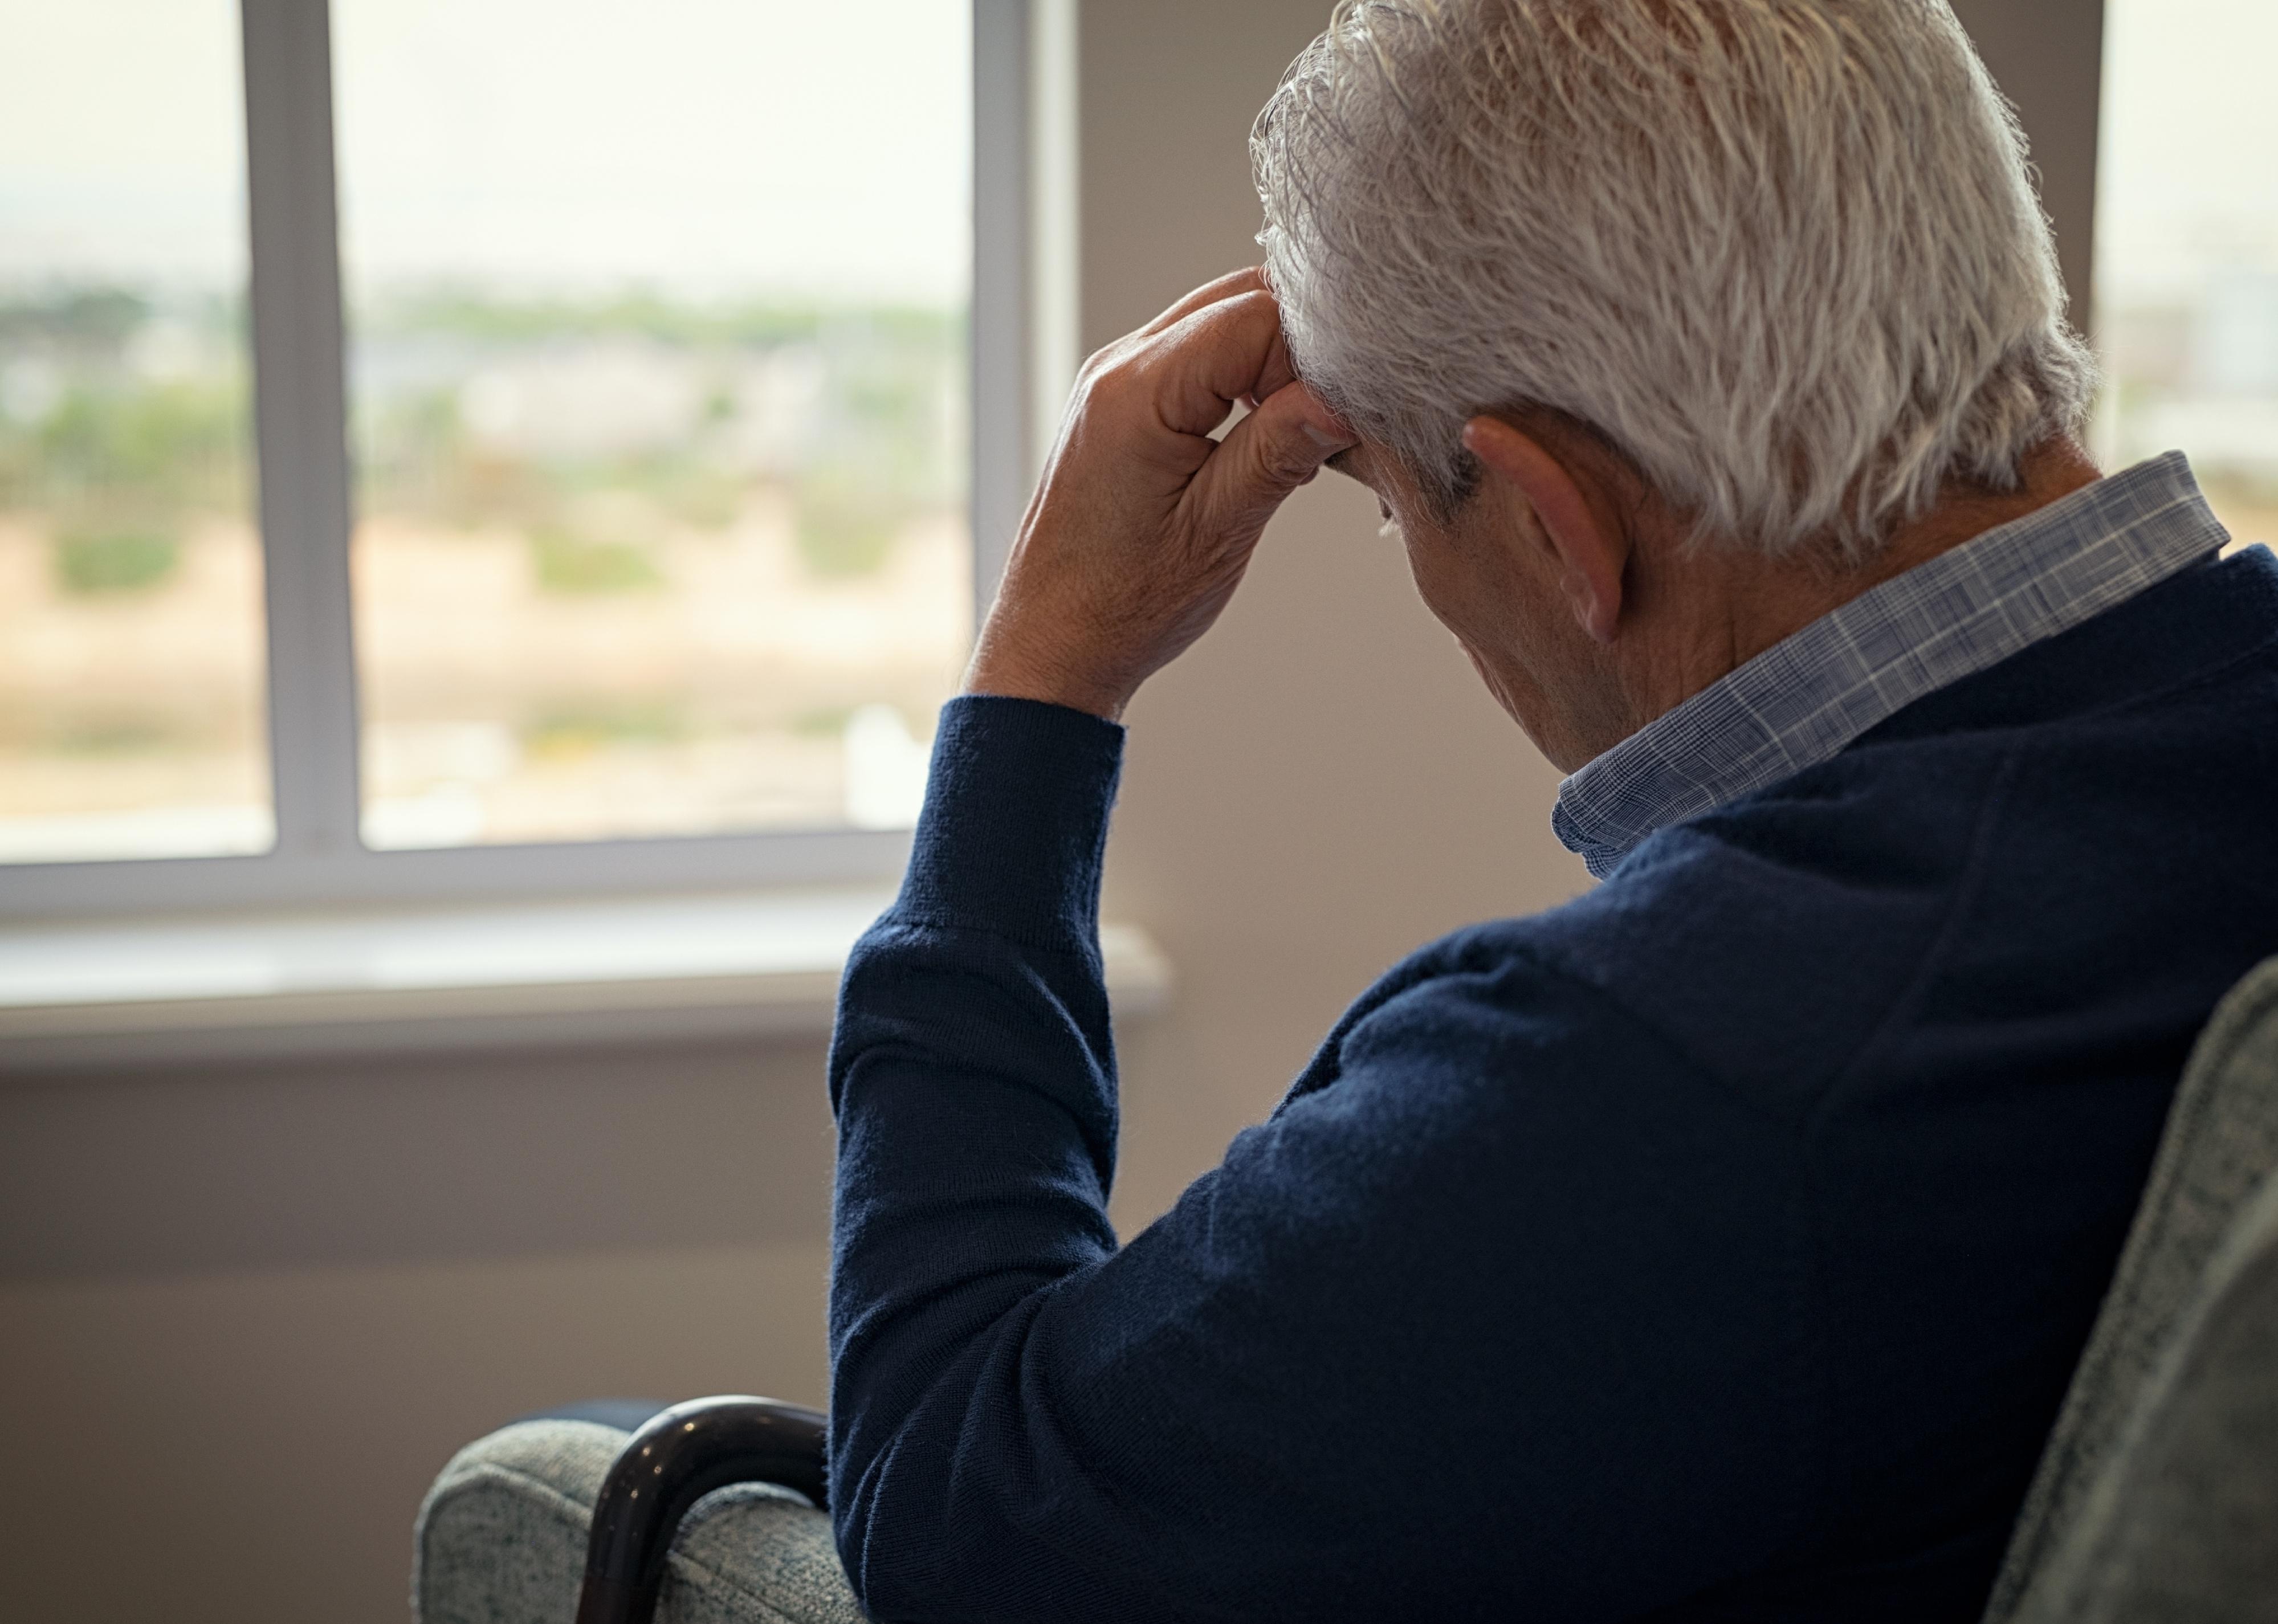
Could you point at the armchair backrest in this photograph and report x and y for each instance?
(2163, 1466)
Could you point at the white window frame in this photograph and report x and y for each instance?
(1022, 236)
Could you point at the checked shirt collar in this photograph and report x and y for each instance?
(1803, 699)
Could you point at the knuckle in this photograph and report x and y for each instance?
(1256, 308)
(1110, 383)
(1285, 458)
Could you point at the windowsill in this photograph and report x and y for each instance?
(139, 992)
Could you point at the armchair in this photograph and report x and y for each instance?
(2156, 1501)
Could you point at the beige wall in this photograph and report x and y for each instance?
(244, 1317)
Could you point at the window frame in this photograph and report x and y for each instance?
(305, 482)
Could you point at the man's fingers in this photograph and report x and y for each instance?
(1197, 369)
(1250, 279)
(1142, 525)
(1278, 373)
(1265, 456)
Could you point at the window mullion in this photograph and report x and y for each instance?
(1000, 355)
(300, 423)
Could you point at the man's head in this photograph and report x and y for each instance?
(1759, 283)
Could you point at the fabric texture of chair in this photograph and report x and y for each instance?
(501, 1540)
(2183, 1530)
(2157, 1499)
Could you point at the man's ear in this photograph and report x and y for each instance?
(1592, 555)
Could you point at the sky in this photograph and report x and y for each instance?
(711, 147)
(2189, 165)
(741, 145)
(121, 140)
(708, 145)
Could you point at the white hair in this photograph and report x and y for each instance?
(1785, 255)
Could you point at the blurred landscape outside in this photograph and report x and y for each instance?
(131, 707)
(657, 400)
(644, 567)
(2187, 248)
(657, 368)
(657, 393)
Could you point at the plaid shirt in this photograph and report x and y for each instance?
(1802, 700)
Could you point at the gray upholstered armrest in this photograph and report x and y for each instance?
(674, 1461)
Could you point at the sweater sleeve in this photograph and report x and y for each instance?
(1494, 1316)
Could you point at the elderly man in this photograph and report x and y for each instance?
(1720, 1244)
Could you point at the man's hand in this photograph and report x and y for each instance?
(1142, 526)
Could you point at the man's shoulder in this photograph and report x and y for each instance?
(2091, 779)
(1756, 946)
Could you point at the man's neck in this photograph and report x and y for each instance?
(1720, 610)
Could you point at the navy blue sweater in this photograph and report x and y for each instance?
(1718, 1245)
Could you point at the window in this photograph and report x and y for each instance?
(657, 385)
(2187, 247)
(601, 376)
(131, 646)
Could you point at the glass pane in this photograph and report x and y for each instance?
(2187, 247)
(659, 396)
(131, 650)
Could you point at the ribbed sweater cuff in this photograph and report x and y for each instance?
(1015, 820)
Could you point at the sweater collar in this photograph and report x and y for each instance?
(1805, 698)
